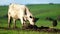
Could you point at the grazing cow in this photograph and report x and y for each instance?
(21, 12)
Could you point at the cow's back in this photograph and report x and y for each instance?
(16, 10)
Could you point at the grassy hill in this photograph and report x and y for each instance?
(40, 11)
(45, 10)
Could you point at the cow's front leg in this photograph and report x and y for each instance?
(22, 21)
(24, 25)
(14, 22)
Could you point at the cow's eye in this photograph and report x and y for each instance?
(30, 16)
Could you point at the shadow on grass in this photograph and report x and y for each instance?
(39, 29)
(6, 28)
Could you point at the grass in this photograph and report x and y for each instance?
(40, 11)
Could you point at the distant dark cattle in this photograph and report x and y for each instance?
(54, 22)
(58, 18)
(49, 18)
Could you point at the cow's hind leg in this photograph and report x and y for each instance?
(9, 20)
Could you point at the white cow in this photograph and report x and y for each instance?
(21, 12)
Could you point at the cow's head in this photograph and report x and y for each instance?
(33, 20)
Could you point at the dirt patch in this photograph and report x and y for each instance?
(42, 28)
(33, 28)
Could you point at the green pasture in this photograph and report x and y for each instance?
(40, 11)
